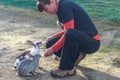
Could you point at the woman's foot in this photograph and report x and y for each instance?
(57, 58)
(62, 73)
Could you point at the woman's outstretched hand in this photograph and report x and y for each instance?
(48, 52)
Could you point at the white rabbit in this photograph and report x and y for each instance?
(28, 54)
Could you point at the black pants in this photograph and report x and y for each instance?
(75, 42)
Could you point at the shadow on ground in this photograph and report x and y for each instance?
(92, 74)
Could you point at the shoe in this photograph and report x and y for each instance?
(62, 73)
(57, 58)
(80, 58)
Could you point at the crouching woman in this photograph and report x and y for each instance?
(78, 37)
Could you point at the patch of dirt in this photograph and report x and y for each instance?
(19, 25)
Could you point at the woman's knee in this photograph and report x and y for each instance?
(52, 41)
(69, 33)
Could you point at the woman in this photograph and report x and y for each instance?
(78, 38)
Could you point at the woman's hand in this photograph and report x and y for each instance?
(48, 52)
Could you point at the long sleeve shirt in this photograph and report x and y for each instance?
(73, 16)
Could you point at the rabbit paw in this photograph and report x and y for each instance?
(33, 73)
(14, 68)
(17, 74)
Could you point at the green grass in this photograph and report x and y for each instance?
(30, 4)
(110, 48)
(107, 9)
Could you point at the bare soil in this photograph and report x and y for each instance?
(19, 25)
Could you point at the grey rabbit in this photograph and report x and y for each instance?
(27, 66)
(28, 54)
(27, 62)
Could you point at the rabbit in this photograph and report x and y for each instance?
(28, 54)
(27, 66)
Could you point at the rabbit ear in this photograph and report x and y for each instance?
(30, 42)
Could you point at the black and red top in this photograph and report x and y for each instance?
(73, 16)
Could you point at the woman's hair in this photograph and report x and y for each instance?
(41, 3)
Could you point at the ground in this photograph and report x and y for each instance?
(19, 25)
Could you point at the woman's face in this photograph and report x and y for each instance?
(51, 8)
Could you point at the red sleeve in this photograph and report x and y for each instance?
(56, 47)
(69, 24)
